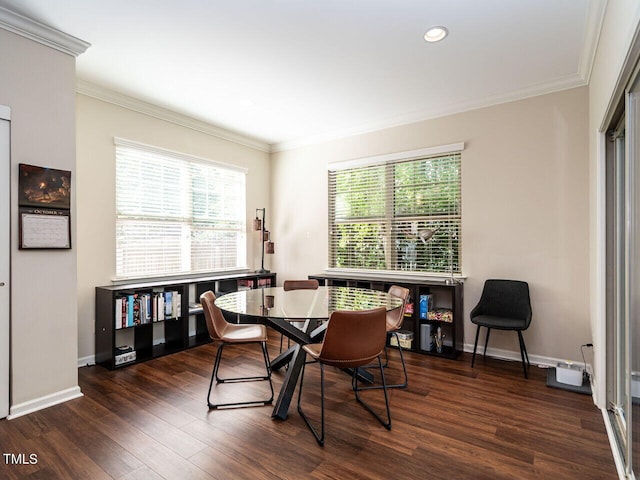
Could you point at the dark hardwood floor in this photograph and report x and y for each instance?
(150, 421)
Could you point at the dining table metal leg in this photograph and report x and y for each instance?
(289, 384)
(283, 359)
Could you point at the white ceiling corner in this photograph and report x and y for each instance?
(316, 71)
(42, 34)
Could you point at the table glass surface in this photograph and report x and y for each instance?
(275, 302)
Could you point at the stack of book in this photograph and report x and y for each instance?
(140, 309)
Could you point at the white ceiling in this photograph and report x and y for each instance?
(321, 69)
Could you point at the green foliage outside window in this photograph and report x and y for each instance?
(378, 212)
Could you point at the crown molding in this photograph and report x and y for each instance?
(564, 83)
(101, 93)
(593, 27)
(43, 34)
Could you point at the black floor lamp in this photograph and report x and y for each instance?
(267, 244)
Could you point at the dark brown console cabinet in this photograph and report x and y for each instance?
(432, 304)
(137, 316)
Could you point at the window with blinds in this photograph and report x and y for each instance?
(380, 212)
(177, 214)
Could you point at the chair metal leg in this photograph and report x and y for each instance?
(386, 424)
(486, 341)
(384, 365)
(214, 375)
(475, 346)
(318, 436)
(523, 351)
(524, 348)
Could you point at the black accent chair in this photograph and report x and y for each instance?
(503, 305)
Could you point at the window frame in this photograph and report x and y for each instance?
(449, 226)
(191, 222)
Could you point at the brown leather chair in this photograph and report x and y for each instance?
(352, 340)
(297, 285)
(233, 334)
(300, 285)
(394, 324)
(395, 318)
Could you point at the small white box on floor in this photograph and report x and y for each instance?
(569, 373)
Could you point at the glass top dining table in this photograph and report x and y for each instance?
(309, 309)
(296, 305)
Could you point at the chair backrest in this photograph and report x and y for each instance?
(396, 316)
(216, 324)
(354, 339)
(300, 285)
(505, 298)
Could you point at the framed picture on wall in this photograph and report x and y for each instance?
(44, 228)
(44, 187)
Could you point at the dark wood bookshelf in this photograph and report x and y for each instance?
(448, 297)
(163, 337)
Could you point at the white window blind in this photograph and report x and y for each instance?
(377, 212)
(177, 214)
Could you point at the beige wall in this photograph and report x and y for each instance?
(525, 197)
(621, 22)
(38, 84)
(98, 122)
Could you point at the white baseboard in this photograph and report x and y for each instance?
(87, 361)
(515, 356)
(43, 402)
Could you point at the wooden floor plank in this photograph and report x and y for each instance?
(150, 421)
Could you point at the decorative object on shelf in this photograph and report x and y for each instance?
(440, 315)
(267, 244)
(439, 338)
(426, 235)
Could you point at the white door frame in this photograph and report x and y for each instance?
(5, 256)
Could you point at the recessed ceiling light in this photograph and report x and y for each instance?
(435, 34)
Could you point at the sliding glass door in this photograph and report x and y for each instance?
(633, 276)
(5, 242)
(623, 279)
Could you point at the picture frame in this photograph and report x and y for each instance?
(44, 229)
(44, 187)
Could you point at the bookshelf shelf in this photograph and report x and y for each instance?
(147, 333)
(432, 304)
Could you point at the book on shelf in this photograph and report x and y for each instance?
(167, 304)
(176, 306)
(136, 310)
(160, 309)
(147, 308)
(264, 282)
(130, 302)
(426, 305)
(118, 313)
